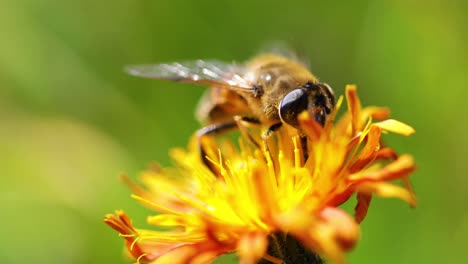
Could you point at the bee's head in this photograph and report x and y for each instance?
(317, 98)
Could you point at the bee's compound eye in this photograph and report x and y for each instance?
(294, 103)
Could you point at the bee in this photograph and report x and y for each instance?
(270, 90)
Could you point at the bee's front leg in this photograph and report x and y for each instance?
(273, 128)
(221, 128)
(212, 130)
(241, 123)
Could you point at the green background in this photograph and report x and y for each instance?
(71, 120)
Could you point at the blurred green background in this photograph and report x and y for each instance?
(71, 120)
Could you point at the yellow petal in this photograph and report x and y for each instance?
(167, 220)
(395, 126)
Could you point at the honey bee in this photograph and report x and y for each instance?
(269, 90)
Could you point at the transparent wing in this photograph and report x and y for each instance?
(207, 73)
(283, 49)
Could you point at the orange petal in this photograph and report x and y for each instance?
(263, 183)
(354, 107)
(311, 128)
(360, 211)
(251, 247)
(407, 185)
(367, 154)
(386, 154)
(385, 189)
(137, 189)
(376, 112)
(346, 230)
(395, 170)
(395, 127)
(330, 233)
(340, 198)
(334, 233)
(325, 245)
(122, 224)
(200, 253)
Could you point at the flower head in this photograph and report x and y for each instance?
(256, 196)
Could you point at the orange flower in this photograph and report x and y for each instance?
(257, 198)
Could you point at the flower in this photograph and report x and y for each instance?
(254, 197)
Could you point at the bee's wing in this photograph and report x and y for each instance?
(283, 49)
(207, 73)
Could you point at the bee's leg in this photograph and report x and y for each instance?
(271, 130)
(212, 130)
(250, 120)
(241, 120)
(275, 127)
(268, 134)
